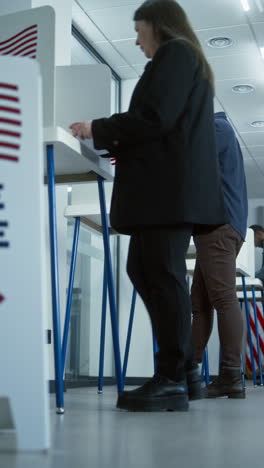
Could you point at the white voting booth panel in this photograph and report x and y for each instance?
(23, 363)
(70, 92)
(31, 34)
(83, 92)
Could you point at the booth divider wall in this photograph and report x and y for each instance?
(23, 293)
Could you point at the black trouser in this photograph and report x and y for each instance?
(157, 269)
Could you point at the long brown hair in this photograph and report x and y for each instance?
(170, 21)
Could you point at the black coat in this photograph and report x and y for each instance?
(167, 168)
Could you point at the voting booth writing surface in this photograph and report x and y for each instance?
(23, 358)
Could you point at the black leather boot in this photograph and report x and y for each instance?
(194, 384)
(158, 393)
(229, 383)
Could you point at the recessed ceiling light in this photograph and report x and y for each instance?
(243, 88)
(257, 123)
(220, 42)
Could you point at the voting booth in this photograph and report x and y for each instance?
(23, 350)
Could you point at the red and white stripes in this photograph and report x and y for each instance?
(22, 44)
(10, 122)
(253, 328)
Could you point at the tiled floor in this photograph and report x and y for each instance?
(93, 433)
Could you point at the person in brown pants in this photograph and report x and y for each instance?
(214, 280)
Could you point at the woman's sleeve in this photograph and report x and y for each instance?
(163, 100)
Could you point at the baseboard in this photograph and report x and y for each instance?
(92, 381)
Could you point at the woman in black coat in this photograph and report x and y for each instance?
(167, 181)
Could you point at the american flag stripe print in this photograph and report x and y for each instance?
(10, 122)
(253, 329)
(22, 44)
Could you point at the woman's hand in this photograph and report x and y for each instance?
(82, 129)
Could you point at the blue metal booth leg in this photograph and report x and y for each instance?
(129, 332)
(55, 281)
(70, 289)
(110, 282)
(205, 367)
(102, 335)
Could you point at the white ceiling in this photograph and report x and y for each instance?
(108, 25)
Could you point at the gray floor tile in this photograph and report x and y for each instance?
(220, 433)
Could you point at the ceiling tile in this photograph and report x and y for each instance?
(127, 73)
(116, 22)
(242, 108)
(237, 66)
(85, 25)
(253, 138)
(205, 14)
(133, 53)
(98, 4)
(254, 14)
(243, 41)
(110, 54)
(259, 32)
(257, 153)
(217, 105)
(139, 68)
(246, 154)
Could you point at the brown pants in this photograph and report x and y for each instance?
(214, 287)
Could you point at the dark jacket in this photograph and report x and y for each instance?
(232, 174)
(167, 170)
